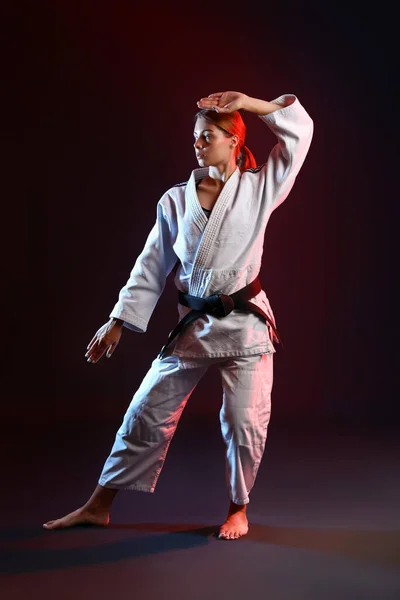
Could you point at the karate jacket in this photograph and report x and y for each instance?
(222, 253)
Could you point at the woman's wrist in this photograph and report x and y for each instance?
(114, 320)
(260, 107)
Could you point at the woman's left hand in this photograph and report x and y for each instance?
(224, 102)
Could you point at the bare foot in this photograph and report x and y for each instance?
(236, 524)
(79, 517)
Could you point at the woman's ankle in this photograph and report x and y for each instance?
(101, 499)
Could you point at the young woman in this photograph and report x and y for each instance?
(210, 231)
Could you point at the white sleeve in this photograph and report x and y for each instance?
(140, 294)
(294, 129)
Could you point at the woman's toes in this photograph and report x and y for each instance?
(233, 535)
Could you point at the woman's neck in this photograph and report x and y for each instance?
(221, 174)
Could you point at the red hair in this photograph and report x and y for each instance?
(231, 124)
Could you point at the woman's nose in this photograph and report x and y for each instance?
(199, 144)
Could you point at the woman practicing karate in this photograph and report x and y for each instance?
(210, 231)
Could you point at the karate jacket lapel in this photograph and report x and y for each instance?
(209, 227)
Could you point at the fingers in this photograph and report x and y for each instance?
(106, 338)
(211, 104)
(207, 102)
(221, 109)
(218, 102)
(224, 102)
(95, 352)
(111, 349)
(92, 342)
(96, 355)
(227, 108)
(91, 346)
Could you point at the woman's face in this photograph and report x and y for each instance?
(211, 145)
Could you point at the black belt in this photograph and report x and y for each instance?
(219, 305)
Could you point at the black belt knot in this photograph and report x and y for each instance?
(219, 305)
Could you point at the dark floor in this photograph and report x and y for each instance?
(324, 517)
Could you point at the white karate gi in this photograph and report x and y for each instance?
(221, 254)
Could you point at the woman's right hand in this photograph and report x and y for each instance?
(224, 102)
(105, 339)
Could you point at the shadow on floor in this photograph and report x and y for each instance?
(24, 551)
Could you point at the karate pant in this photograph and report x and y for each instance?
(142, 441)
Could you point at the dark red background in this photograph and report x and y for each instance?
(99, 125)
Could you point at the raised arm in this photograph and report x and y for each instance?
(227, 102)
(139, 296)
(293, 127)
